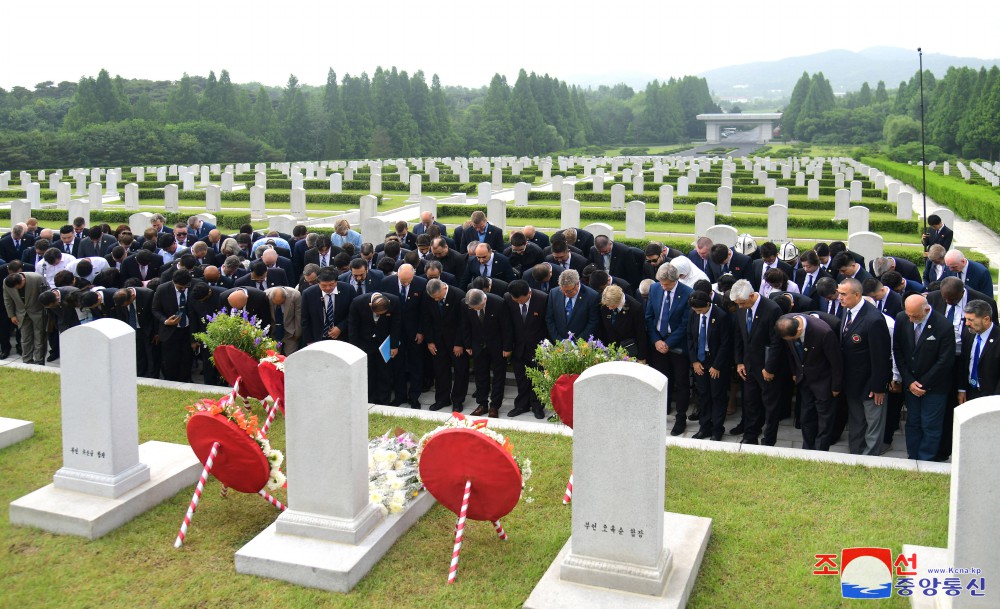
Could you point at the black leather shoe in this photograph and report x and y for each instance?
(438, 405)
(52, 357)
(517, 412)
(701, 435)
(750, 441)
(737, 430)
(5, 354)
(717, 438)
(694, 416)
(457, 408)
(415, 404)
(396, 403)
(679, 427)
(539, 414)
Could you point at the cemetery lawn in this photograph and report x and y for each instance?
(770, 517)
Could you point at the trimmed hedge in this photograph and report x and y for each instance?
(654, 199)
(230, 220)
(244, 195)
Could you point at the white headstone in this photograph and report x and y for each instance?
(682, 186)
(131, 197)
(258, 208)
(521, 190)
(855, 193)
(496, 213)
(428, 204)
(484, 193)
(297, 179)
(567, 192)
(34, 194)
(496, 179)
(283, 223)
(893, 192)
(638, 185)
(704, 217)
(725, 201)
(857, 220)
(20, 211)
(336, 183)
(260, 179)
(95, 196)
(369, 208)
(111, 177)
(557, 183)
(781, 196)
(139, 222)
(170, 200)
(161, 174)
(666, 198)
(187, 181)
(598, 183)
(373, 230)
(868, 245)
(813, 190)
(213, 199)
(947, 216)
(348, 173)
(81, 183)
(842, 202)
(570, 214)
(722, 233)
(904, 206)
(416, 186)
(375, 183)
(769, 185)
(297, 204)
(838, 180)
(618, 197)
(777, 224)
(800, 179)
(635, 220)
(880, 181)
(600, 228)
(63, 194)
(206, 176)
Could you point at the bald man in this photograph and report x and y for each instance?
(924, 346)
(286, 310)
(251, 299)
(408, 365)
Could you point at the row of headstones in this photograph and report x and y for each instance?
(986, 170)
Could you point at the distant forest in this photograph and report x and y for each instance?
(962, 115)
(106, 120)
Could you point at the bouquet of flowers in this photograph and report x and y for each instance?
(227, 408)
(275, 359)
(239, 329)
(569, 356)
(392, 471)
(459, 421)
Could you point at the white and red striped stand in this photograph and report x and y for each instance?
(459, 532)
(569, 491)
(197, 496)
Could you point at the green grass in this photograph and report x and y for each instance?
(770, 517)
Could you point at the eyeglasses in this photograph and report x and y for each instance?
(182, 234)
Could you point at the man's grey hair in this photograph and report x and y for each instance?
(644, 286)
(882, 265)
(569, 278)
(979, 308)
(667, 272)
(434, 265)
(741, 291)
(475, 298)
(311, 239)
(232, 262)
(434, 287)
(158, 218)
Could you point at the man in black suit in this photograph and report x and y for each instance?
(904, 267)
(322, 254)
(526, 311)
(700, 256)
(451, 260)
(979, 364)
(434, 270)
(443, 331)
(536, 236)
(600, 280)
(826, 298)
(710, 350)
(727, 260)
(427, 220)
(937, 233)
(253, 300)
(261, 277)
(522, 253)
(843, 266)
(817, 368)
(170, 310)
(618, 259)
(134, 306)
(924, 346)
(362, 279)
(482, 231)
(34, 256)
(572, 309)
(579, 239)
(96, 243)
(757, 348)
(887, 301)
(543, 276)
(373, 318)
(69, 242)
(810, 273)
(325, 308)
(15, 243)
(488, 263)
(116, 257)
(143, 265)
(867, 356)
(274, 261)
(768, 260)
(408, 365)
(562, 256)
(204, 301)
(487, 340)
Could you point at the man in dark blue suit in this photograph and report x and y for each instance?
(618, 259)
(362, 279)
(488, 263)
(825, 297)
(543, 276)
(904, 267)
(710, 350)
(15, 243)
(757, 349)
(700, 256)
(373, 318)
(727, 260)
(572, 308)
(867, 351)
(326, 307)
(972, 273)
(483, 231)
(427, 220)
(886, 300)
(536, 236)
(667, 314)
(935, 268)
(408, 365)
(199, 228)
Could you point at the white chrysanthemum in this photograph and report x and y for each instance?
(396, 484)
(375, 497)
(265, 445)
(275, 458)
(398, 497)
(277, 480)
(405, 454)
(395, 507)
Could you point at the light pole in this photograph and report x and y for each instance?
(923, 155)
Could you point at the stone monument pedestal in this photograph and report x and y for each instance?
(686, 538)
(172, 468)
(13, 431)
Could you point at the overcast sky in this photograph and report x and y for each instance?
(465, 42)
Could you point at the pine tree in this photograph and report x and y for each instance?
(527, 125)
(336, 141)
(791, 113)
(494, 133)
(263, 123)
(182, 104)
(295, 128)
(881, 95)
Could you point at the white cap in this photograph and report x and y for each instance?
(745, 244)
(788, 251)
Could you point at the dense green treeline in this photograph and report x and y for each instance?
(962, 114)
(108, 121)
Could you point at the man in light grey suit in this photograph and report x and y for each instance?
(286, 311)
(20, 297)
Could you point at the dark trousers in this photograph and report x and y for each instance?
(760, 407)
(379, 377)
(924, 424)
(526, 397)
(209, 372)
(816, 418)
(677, 368)
(176, 356)
(713, 398)
(948, 423)
(893, 414)
(6, 331)
(54, 342)
(144, 356)
(491, 373)
(451, 376)
(408, 369)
